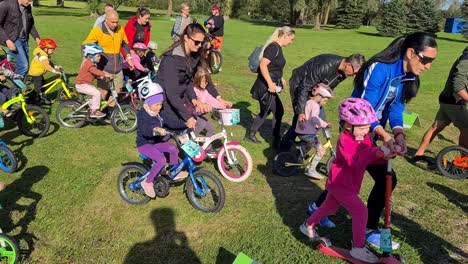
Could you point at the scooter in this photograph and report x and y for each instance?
(327, 248)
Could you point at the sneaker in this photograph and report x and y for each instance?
(363, 254)
(373, 239)
(309, 231)
(97, 114)
(182, 175)
(314, 174)
(44, 99)
(422, 158)
(148, 187)
(325, 222)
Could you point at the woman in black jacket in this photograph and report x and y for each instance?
(269, 83)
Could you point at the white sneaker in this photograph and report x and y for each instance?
(313, 174)
(309, 231)
(363, 254)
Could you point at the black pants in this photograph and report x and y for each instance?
(376, 200)
(273, 105)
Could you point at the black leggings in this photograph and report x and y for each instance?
(376, 200)
(275, 106)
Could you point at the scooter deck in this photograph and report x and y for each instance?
(338, 252)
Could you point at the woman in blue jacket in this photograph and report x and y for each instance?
(389, 80)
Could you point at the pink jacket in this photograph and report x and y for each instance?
(312, 111)
(349, 166)
(205, 97)
(136, 62)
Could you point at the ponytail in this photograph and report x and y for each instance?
(279, 32)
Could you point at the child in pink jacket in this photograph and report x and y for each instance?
(137, 57)
(354, 152)
(308, 131)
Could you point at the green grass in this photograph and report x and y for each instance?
(64, 207)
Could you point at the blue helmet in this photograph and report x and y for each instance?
(91, 49)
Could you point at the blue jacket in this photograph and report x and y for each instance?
(378, 79)
(147, 123)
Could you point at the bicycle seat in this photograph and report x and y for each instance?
(144, 157)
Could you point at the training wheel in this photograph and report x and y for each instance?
(325, 242)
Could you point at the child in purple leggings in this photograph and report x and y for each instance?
(150, 134)
(354, 152)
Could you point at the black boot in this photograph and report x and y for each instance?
(250, 136)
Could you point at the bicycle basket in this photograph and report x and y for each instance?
(230, 117)
(191, 148)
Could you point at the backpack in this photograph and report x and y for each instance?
(254, 59)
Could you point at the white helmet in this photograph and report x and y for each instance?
(323, 90)
(148, 89)
(152, 45)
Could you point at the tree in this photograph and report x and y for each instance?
(169, 8)
(349, 14)
(423, 16)
(93, 6)
(61, 3)
(393, 23)
(464, 10)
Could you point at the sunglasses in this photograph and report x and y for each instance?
(354, 72)
(196, 42)
(424, 60)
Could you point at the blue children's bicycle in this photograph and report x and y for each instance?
(8, 162)
(203, 189)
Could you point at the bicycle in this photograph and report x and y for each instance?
(452, 162)
(32, 120)
(234, 161)
(204, 190)
(74, 114)
(7, 158)
(7, 61)
(132, 88)
(287, 163)
(216, 59)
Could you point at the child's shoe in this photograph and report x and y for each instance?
(325, 222)
(312, 173)
(373, 239)
(148, 187)
(363, 254)
(309, 231)
(44, 99)
(97, 114)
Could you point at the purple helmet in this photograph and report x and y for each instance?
(357, 112)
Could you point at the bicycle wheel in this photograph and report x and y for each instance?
(62, 95)
(212, 199)
(452, 162)
(124, 121)
(281, 164)
(9, 249)
(129, 174)
(216, 61)
(40, 125)
(68, 114)
(241, 166)
(7, 160)
(329, 163)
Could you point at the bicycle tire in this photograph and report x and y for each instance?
(329, 164)
(280, 164)
(62, 95)
(9, 249)
(67, 108)
(42, 124)
(8, 161)
(125, 178)
(445, 162)
(215, 191)
(126, 117)
(215, 56)
(238, 166)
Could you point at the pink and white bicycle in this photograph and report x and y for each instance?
(234, 161)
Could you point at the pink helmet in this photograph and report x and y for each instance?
(357, 112)
(323, 90)
(139, 46)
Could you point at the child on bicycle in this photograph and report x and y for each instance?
(152, 60)
(5, 92)
(202, 82)
(88, 72)
(354, 152)
(308, 130)
(150, 134)
(40, 64)
(137, 58)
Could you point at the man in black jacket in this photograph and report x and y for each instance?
(326, 68)
(16, 23)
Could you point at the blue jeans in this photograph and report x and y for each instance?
(21, 56)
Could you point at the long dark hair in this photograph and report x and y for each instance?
(418, 41)
(190, 30)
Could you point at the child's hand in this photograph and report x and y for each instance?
(2, 78)
(59, 68)
(227, 104)
(159, 131)
(387, 152)
(107, 75)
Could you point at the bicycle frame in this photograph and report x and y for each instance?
(59, 81)
(19, 99)
(7, 61)
(326, 146)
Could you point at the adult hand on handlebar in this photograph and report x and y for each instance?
(401, 147)
(191, 123)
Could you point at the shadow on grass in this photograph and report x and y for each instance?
(168, 245)
(458, 199)
(370, 34)
(453, 40)
(10, 197)
(225, 256)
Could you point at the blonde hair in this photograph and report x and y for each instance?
(278, 33)
(202, 71)
(183, 5)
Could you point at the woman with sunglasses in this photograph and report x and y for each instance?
(176, 71)
(269, 83)
(389, 80)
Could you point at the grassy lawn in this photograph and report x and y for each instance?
(63, 205)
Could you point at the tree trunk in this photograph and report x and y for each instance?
(61, 3)
(317, 22)
(292, 15)
(169, 8)
(35, 3)
(327, 13)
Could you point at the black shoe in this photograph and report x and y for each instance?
(43, 99)
(250, 137)
(422, 158)
(276, 143)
